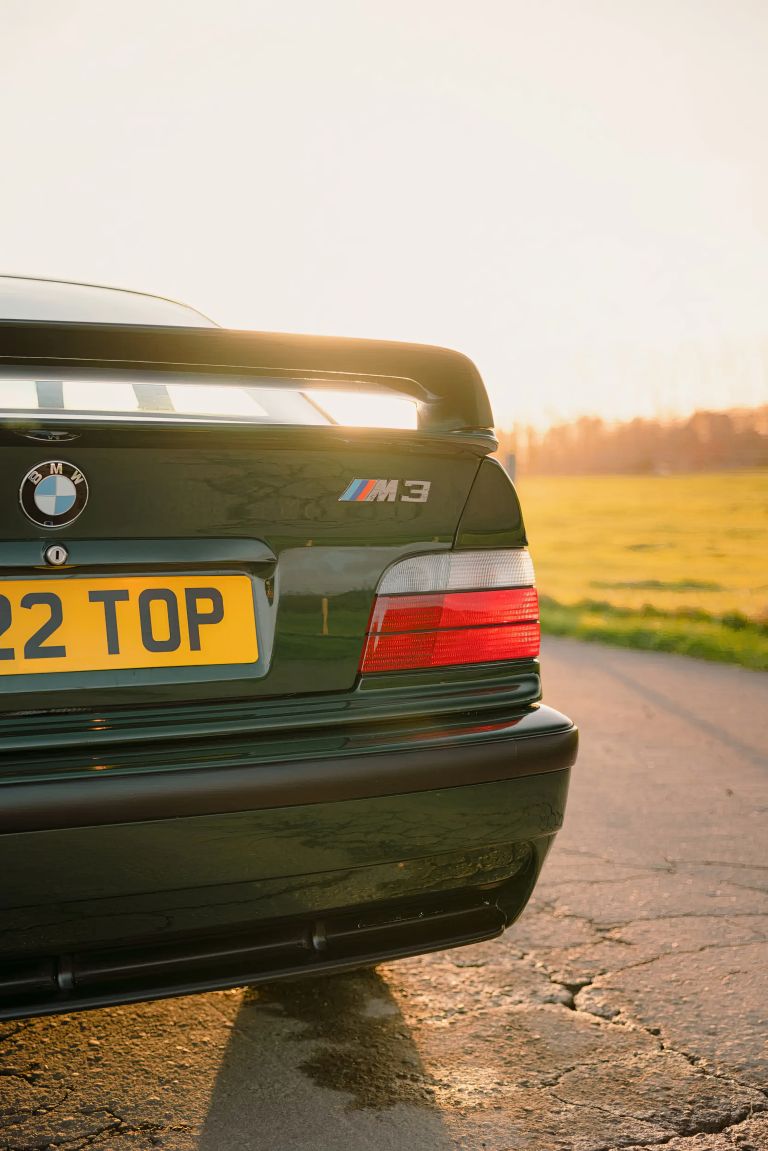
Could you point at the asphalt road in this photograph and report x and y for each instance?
(627, 1008)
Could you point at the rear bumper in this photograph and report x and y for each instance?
(137, 887)
(541, 740)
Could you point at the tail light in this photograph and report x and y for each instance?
(454, 608)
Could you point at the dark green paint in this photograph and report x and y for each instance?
(98, 753)
(97, 885)
(265, 501)
(268, 505)
(492, 517)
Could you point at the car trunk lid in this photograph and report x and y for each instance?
(305, 510)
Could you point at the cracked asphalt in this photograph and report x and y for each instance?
(626, 1009)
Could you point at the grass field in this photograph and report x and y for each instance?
(673, 563)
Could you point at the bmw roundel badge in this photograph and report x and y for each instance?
(53, 494)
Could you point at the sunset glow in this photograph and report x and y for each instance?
(558, 190)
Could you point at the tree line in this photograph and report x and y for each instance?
(704, 441)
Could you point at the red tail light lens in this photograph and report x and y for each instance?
(439, 628)
(405, 651)
(454, 609)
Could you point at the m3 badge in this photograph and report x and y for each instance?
(386, 491)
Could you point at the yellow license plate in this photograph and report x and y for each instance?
(90, 623)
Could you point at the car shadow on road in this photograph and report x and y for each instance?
(323, 1063)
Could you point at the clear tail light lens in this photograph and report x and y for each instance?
(454, 608)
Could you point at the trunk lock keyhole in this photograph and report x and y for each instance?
(56, 555)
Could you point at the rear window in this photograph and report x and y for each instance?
(27, 298)
(202, 399)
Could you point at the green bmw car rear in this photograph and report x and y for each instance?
(269, 682)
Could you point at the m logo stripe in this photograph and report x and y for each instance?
(352, 490)
(365, 491)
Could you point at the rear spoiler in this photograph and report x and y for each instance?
(447, 385)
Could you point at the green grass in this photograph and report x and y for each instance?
(666, 563)
(706, 638)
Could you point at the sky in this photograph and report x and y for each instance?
(572, 192)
